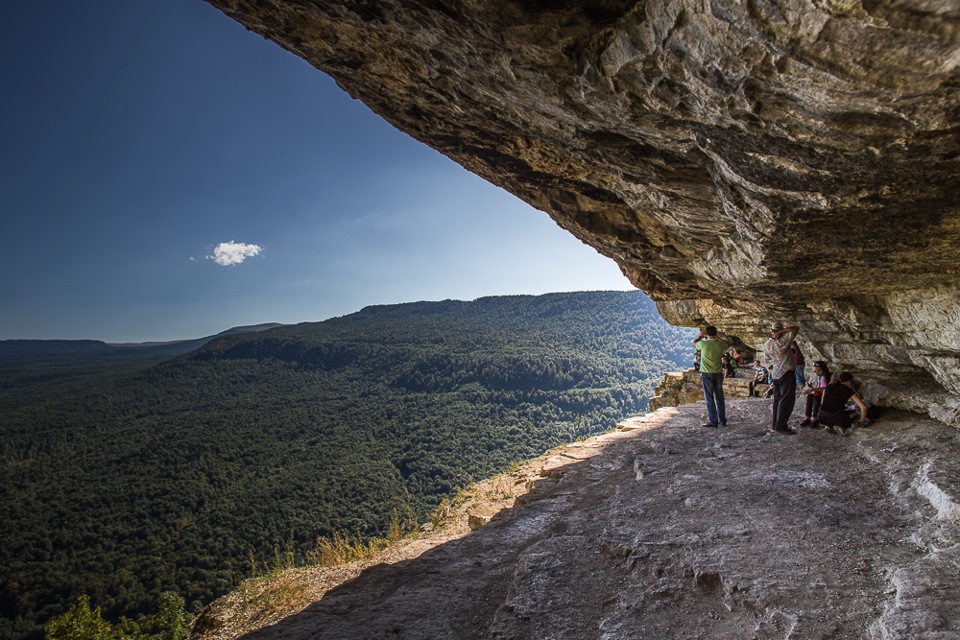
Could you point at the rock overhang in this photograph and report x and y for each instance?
(740, 161)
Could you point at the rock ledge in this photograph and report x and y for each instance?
(666, 529)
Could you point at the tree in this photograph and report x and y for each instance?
(80, 622)
(171, 622)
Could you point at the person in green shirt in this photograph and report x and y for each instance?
(711, 375)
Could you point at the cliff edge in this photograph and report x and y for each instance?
(664, 529)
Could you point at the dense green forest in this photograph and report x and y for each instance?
(127, 480)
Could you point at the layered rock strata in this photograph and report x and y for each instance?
(741, 161)
(684, 387)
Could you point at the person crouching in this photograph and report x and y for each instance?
(833, 415)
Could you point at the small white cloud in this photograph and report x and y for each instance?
(231, 253)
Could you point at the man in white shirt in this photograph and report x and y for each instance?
(778, 351)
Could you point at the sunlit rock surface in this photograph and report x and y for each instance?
(741, 161)
(665, 529)
(683, 387)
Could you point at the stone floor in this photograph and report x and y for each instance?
(665, 529)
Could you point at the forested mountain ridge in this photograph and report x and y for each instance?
(171, 476)
(59, 354)
(443, 345)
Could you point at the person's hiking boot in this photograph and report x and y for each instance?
(723, 423)
(806, 423)
(711, 425)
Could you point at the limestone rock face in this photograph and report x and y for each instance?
(685, 387)
(742, 161)
(677, 387)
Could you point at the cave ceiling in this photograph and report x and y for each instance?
(742, 162)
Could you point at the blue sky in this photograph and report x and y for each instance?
(138, 137)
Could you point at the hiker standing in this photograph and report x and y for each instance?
(778, 351)
(711, 375)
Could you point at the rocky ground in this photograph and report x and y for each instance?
(665, 529)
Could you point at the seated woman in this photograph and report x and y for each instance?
(814, 394)
(833, 403)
